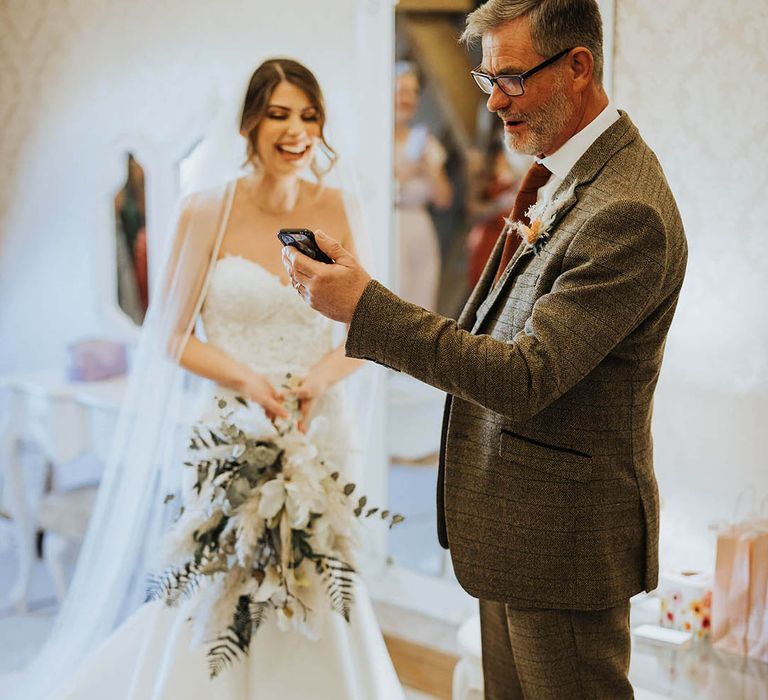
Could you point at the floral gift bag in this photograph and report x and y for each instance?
(686, 602)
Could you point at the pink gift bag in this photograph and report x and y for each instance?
(757, 621)
(731, 590)
(740, 591)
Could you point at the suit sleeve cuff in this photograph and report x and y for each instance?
(370, 324)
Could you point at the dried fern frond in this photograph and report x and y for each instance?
(235, 640)
(339, 582)
(174, 584)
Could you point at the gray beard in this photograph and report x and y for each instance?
(544, 124)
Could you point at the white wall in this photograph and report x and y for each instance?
(693, 75)
(83, 82)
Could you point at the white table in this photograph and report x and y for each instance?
(62, 420)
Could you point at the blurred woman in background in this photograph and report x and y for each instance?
(421, 182)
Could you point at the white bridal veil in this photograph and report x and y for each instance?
(146, 456)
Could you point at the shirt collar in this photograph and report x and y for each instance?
(564, 158)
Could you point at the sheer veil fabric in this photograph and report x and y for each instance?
(161, 402)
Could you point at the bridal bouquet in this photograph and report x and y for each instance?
(269, 527)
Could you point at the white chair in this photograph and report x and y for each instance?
(63, 516)
(62, 420)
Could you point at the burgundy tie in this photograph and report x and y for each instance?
(535, 178)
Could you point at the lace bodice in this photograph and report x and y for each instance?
(251, 315)
(256, 319)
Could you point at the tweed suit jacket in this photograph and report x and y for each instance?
(546, 490)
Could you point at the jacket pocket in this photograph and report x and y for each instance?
(563, 462)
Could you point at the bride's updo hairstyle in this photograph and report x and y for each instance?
(260, 88)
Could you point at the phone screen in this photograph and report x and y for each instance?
(303, 240)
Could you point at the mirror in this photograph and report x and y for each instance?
(454, 181)
(131, 243)
(434, 135)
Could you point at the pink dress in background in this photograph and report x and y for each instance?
(418, 273)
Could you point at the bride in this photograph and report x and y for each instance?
(228, 314)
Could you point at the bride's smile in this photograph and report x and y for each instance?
(293, 152)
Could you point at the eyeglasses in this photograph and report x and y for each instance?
(512, 85)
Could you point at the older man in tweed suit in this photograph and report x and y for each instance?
(546, 494)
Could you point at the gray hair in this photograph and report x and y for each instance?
(555, 25)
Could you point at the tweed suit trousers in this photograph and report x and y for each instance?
(536, 654)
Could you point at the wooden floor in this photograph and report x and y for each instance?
(422, 668)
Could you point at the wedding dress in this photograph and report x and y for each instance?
(251, 315)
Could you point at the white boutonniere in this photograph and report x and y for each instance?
(542, 216)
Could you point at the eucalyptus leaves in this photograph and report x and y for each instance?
(267, 527)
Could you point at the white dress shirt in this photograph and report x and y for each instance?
(564, 158)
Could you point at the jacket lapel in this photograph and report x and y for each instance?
(616, 137)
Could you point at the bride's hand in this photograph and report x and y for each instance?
(256, 387)
(312, 387)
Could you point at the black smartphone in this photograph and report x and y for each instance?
(304, 240)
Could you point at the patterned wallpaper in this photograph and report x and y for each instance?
(693, 75)
(65, 64)
(29, 43)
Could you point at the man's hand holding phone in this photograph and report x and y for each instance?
(332, 289)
